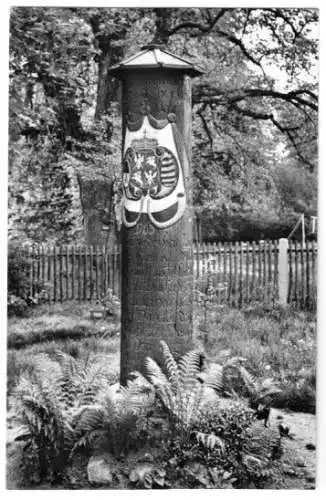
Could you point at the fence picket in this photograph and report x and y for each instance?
(314, 274)
(67, 271)
(236, 277)
(307, 273)
(78, 272)
(290, 253)
(241, 276)
(85, 265)
(72, 254)
(302, 277)
(276, 252)
(253, 281)
(259, 266)
(229, 296)
(48, 276)
(296, 274)
(265, 272)
(54, 273)
(239, 271)
(96, 273)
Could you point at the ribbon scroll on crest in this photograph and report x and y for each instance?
(153, 178)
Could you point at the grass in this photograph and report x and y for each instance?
(278, 343)
(55, 322)
(64, 327)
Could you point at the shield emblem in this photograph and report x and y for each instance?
(152, 176)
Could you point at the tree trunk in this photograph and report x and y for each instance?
(97, 204)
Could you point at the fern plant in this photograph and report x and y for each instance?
(115, 422)
(250, 448)
(238, 382)
(181, 393)
(52, 404)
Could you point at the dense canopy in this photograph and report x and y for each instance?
(255, 113)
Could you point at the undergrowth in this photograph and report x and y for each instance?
(280, 343)
(66, 406)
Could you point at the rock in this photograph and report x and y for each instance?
(100, 469)
(310, 447)
(209, 396)
(289, 471)
(300, 463)
(198, 472)
(138, 474)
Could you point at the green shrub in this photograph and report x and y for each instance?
(52, 405)
(19, 293)
(249, 446)
(66, 406)
(16, 306)
(278, 344)
(18, 269)
(180, 392)
(246, 458)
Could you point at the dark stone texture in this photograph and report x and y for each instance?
(157, 269)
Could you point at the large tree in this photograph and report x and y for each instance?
(254, 109)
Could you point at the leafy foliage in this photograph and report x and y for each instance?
(249, 447)
(180, 392)
(18, 269)
(51, 403)
(65, 406)
(255, 108)
(19, 292)
(16, 306)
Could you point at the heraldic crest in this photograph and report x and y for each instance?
(153, 180)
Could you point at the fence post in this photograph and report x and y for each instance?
(283, 271)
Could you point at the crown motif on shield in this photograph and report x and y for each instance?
(144, 143)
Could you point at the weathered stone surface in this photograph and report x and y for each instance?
(100, 469)
(289, 471)
(157, 278)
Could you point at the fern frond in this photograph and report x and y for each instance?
(89, 419)
(171, 367)
(67, 380)
(210, 441)
(261, 442)
(249, 381)
(193, 404)
(87, 440)
(189, 368)
(214, 378)
(154, 372)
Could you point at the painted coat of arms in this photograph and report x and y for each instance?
(152, 177)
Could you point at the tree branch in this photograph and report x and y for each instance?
(238, 42)
(206, 128)
(203, 93)
(288, 131)
(202, 28)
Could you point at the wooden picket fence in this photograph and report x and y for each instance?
(237, 273)
(302, 276)
(82, 273)
(267, 272)
(228, 273)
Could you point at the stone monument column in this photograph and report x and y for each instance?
(157, 264)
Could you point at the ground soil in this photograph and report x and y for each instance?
(299, 454)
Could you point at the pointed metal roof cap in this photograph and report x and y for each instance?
(155, 56)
